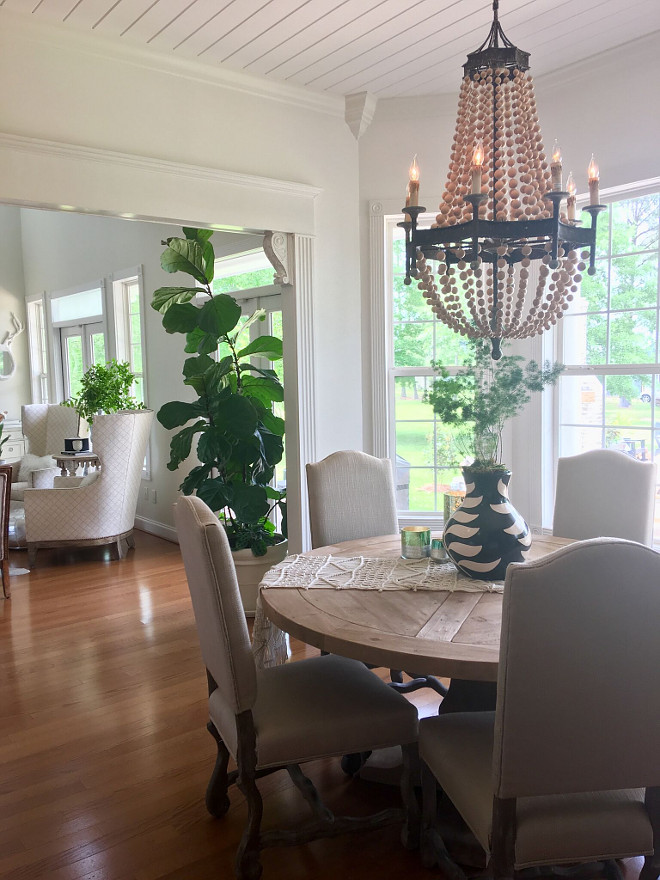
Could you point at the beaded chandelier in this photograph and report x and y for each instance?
(501, 210)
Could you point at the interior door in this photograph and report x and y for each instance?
(82, 345)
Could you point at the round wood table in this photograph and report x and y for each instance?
(450, 634)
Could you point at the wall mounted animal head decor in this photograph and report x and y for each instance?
(7, 362)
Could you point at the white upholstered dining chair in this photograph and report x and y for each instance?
(605, 493)
(281, 717)
(351, 495)
(567, 768)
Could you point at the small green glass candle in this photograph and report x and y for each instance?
(415, 542)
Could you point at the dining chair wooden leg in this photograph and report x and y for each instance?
(217, 799)
(248, 863)
(433, 850)
(410, 833)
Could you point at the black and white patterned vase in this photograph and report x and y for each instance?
(486, 532)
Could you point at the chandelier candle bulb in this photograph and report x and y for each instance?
(477, 167)
(570, 201)
(555, 167)
(412, 199)
(594, 178)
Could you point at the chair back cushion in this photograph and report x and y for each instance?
(120, 441)
(46, 425)
(605, 493)
(351, 495)
(219, 616)
(579, 673)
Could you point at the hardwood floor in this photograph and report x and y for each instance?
(104, 754)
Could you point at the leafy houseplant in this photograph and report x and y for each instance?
(482, 395)
(239, 438)
(104, 388)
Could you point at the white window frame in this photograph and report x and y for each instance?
(38, 347)
(120, 344)
(551, 415)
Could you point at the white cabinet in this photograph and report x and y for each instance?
(14, 448)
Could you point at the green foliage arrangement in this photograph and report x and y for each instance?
(239, 439)
(3, 439)
(482, 395)
(104, 388)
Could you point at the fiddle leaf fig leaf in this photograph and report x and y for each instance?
(200, 235)
(197, 366)
(180, 318)
(184, 255)
(249, 503)
(165, 297)
(177, 413)
(197, 341)
(213, 447)
(268, 347)
(237, 415)
(219, 315)
(265, 390)
(181, 444)
(213, 493)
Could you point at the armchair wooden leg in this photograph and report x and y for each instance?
(6, 589)
(32, 554)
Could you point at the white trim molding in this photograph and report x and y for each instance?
(22, 28)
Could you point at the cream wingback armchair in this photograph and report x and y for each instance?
(100, 508)
(45, 426)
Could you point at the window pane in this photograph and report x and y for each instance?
(451, 348)
(409, 398)
(633, 337)
(581, 401)
(602, 232)
(634, 281)
(422, 494)
(573, 440)
(98, 348)
(86, 304)
(136, 337)
(635, 224)
(413, 344)
(585, 339)
(74, 360)
(623, 401)
(136, 358)
(409, 303)
(593, 290)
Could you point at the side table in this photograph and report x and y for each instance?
(69, 464)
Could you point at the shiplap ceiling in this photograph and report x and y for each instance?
(386, 47)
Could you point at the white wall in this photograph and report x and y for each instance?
(153, 115)
(14, 390)
(603, 105)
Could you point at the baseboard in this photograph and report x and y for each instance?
(156, 528)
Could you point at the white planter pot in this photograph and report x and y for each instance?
(250, 569)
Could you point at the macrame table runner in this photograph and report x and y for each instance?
(352, 573)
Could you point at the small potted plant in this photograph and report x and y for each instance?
(238, 439)
(104, 388)
(485, 533)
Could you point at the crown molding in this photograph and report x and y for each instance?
(20, 27)
(75, 153)
(360, 109)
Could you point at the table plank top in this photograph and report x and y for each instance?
(428, 632)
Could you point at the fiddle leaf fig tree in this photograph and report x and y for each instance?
(238, 439)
